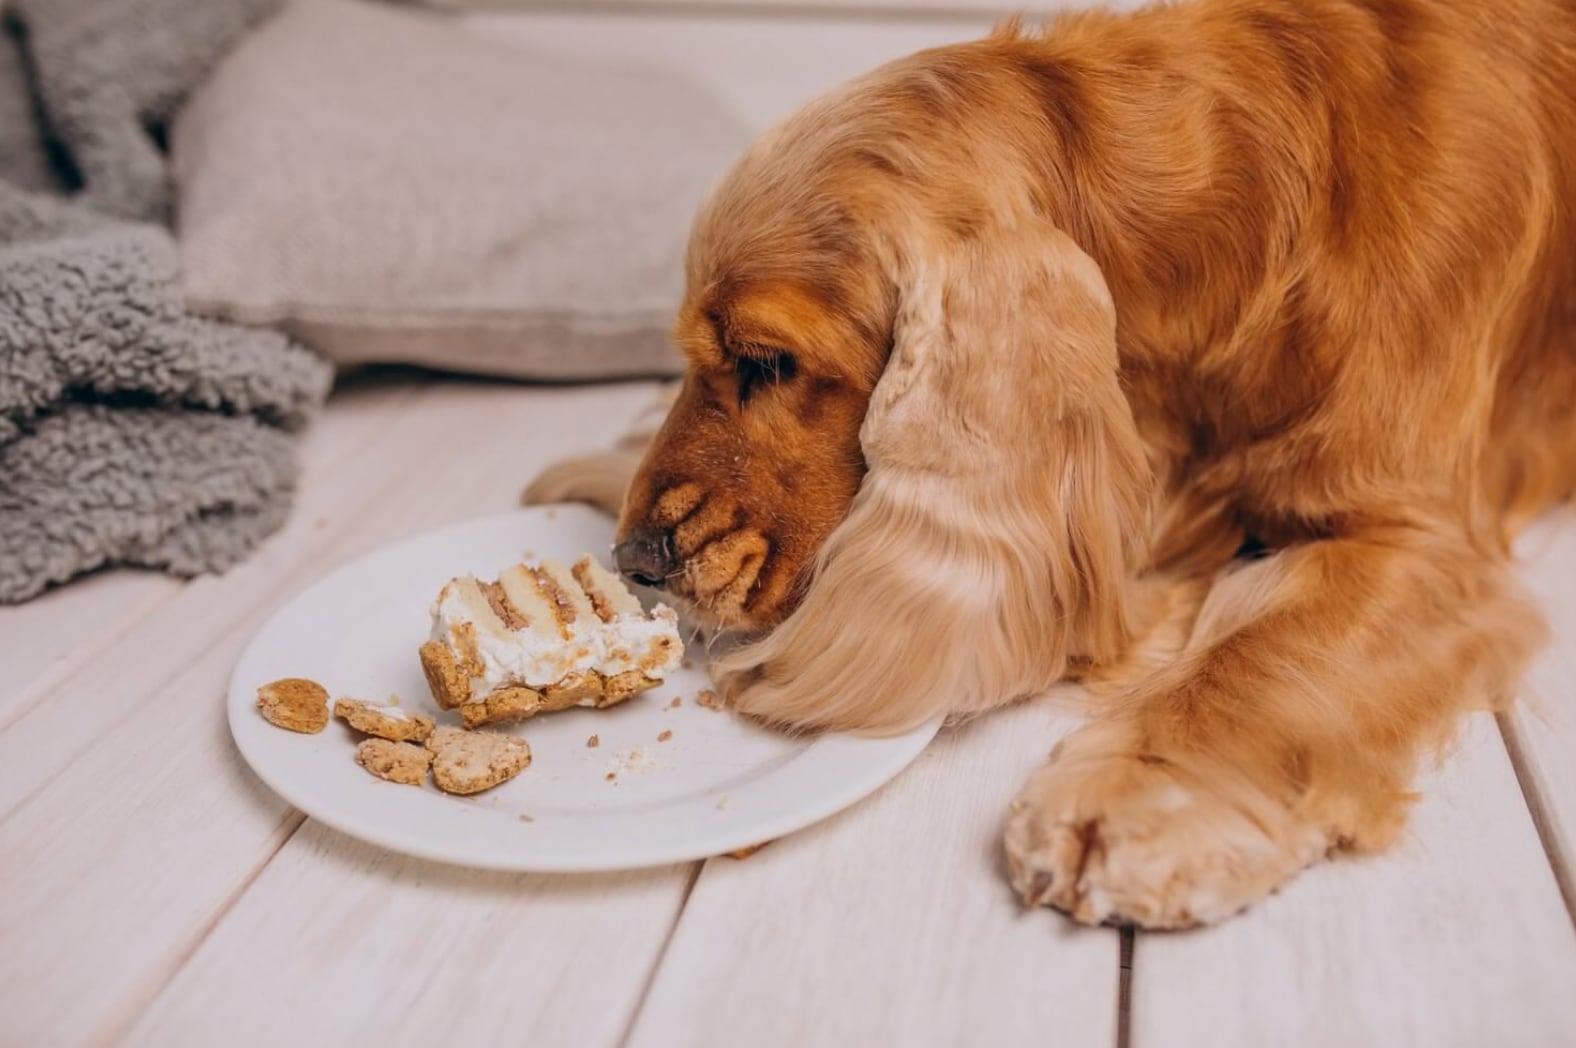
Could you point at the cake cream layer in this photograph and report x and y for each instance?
(540, 624)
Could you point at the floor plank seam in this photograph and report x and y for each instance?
(10, 807)
(117, 1031)
(67, 668)
(662, 952)
(1124, 990)
(1539, 808)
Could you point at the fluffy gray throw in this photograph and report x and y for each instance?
(130, 432)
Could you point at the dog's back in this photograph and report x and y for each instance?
(1348, 227)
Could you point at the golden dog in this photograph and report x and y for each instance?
(1000, 355)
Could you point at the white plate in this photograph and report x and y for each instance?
(717, 785)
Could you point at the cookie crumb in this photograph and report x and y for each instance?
(524, 817)
(593, 742)
(745, 853)
(610, 776)
(630, 762)
(709, 700)
(678, 700)
(665, 736)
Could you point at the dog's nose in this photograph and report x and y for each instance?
(647, 556)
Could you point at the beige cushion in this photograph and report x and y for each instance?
(390, 186)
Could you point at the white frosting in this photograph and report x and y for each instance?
(392, 712)
(515, 657)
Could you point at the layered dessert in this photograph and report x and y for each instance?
(544, 637)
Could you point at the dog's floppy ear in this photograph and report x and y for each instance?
(1007, 495)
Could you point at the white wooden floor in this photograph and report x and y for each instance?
(152, 892)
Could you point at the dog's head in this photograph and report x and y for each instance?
(901, 417)
(786, 327)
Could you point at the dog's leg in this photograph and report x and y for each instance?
(602, 479)
(1289, 727)
(599, 480)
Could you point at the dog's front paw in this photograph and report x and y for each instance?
(1134, 840)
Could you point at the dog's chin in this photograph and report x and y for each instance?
(736, 618)
(715, 621)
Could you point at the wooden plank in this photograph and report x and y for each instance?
(890, 924)
(116, 870)
(1541, 728)
(340, 943)
(1456, 937)
(45, 640)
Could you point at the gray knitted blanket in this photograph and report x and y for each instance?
(131, 433)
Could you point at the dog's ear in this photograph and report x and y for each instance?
(1007, 497)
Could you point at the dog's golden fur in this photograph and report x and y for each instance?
(1001, 353)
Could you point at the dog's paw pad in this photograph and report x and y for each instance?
(1130, 841)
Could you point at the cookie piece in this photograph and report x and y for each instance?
(589, 689)
(294, 704)
(466, 762)
(401, 762)
(505, 704)
(449, 683)
(386, 722)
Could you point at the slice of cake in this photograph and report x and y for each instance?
(544, 637)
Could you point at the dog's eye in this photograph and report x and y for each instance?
(763, 368)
